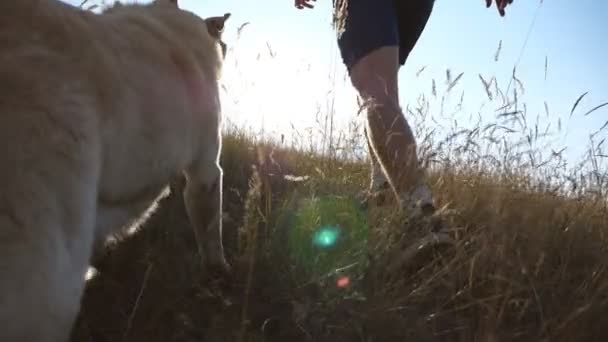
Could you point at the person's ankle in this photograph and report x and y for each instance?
(418, 201)
(378, 193)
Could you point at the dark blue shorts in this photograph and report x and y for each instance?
(372, 24)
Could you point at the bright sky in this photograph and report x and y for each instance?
(305, 74)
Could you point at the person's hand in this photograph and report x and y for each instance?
(500, 5)
(300, 4)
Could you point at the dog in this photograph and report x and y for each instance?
(98, 112)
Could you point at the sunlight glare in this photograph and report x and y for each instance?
(285, 91)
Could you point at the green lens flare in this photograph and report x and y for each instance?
(326, 233)
(326, 237)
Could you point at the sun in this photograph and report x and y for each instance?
(280, 91)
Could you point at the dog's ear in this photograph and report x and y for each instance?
(172, 3)
(215, 25)
(109, 9)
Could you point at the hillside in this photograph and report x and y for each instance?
(529, 264)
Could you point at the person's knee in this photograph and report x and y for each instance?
(375, 88)
(375, 75)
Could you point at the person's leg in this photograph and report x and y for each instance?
(412, 17)
(370, 47)
(379, 187)
(391, 138)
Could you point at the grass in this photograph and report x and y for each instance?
(530, 263)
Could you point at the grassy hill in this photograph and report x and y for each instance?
(530, 263)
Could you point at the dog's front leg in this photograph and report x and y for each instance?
(203, 199)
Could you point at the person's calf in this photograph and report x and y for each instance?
(388, 132)
(393, 145)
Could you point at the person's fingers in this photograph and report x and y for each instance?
(500, 6)
(308, 4)
(300, 4)
(505, 3)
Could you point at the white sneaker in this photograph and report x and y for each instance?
(418, 202)
(379, 189)
(418, 205)
(378, 180)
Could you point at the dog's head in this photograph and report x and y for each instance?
(212, 27)
(215, 26)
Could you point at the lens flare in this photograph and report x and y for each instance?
(326, 233)
(343, 282)
(326, 237)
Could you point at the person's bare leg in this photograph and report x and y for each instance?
(379, 187)
(391, 138)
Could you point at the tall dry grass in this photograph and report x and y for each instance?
(530, 261)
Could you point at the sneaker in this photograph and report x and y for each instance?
(376, 196)
(379, 192)
(418, 202)
(421, 211)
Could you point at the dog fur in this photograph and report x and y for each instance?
(98, 112)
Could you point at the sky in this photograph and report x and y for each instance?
(284, 66)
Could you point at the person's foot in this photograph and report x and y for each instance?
(420, 211)
(418, 202)
(423, 221)
(418, 205)
(379, 192)
(377, 195)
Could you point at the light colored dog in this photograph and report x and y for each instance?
(97, 113)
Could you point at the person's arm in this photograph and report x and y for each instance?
(500, 5)
(300, 4)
